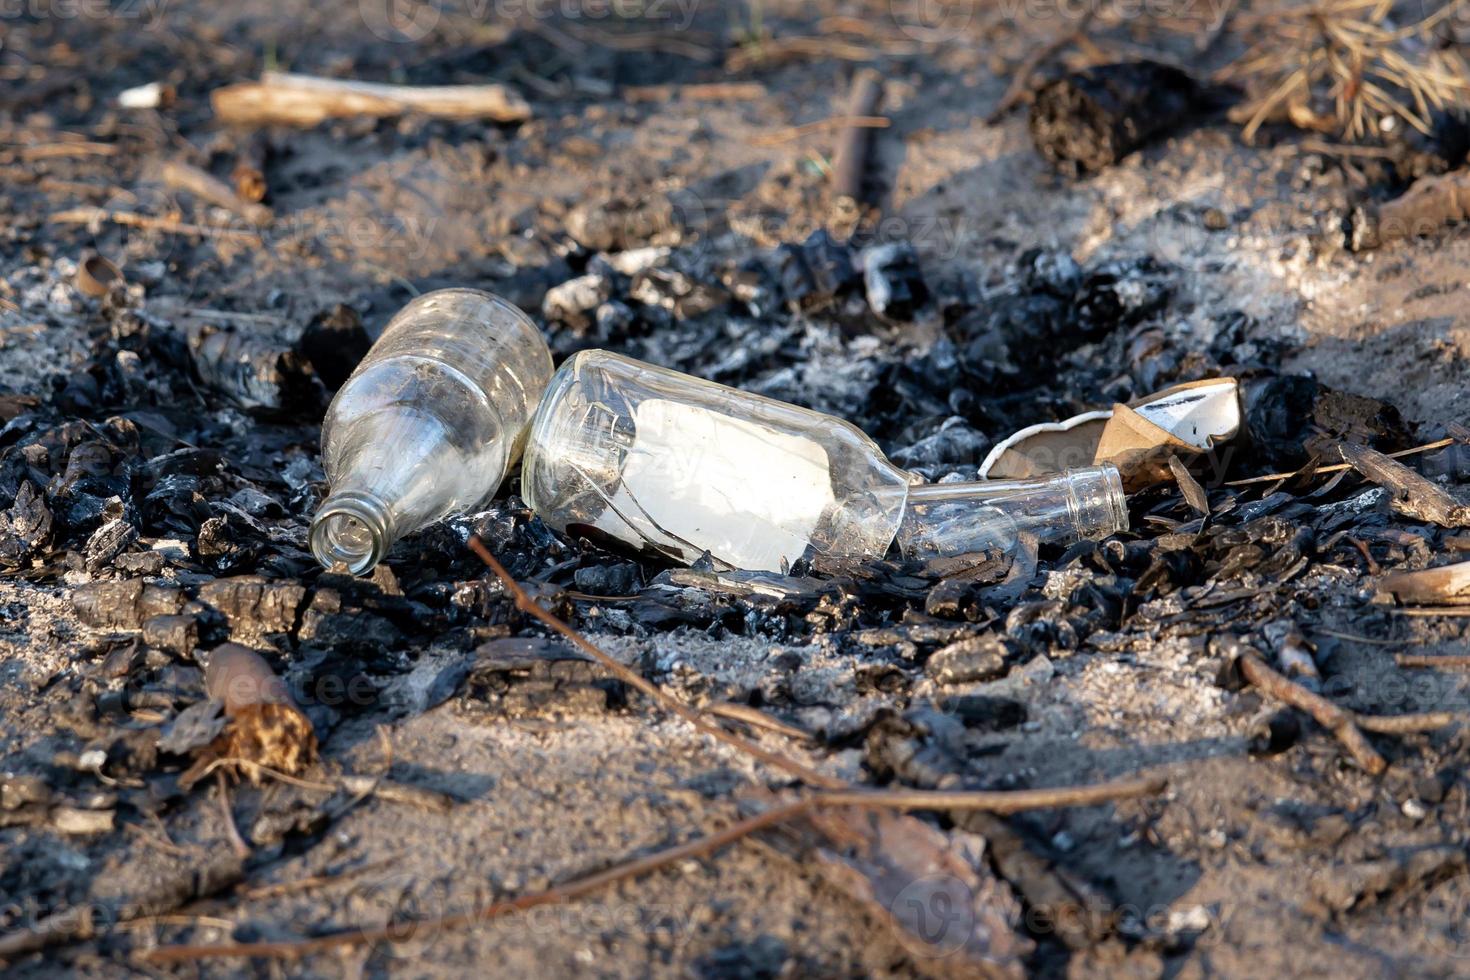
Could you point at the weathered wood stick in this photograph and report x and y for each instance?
(210, 189)
(306, 100)
(249, 170)
(1340, 723)
(1413, 495)
(850, 163)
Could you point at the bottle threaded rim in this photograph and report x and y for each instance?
(351, 530)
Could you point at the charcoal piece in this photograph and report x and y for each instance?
(327, 621)
(608, 580)
(107, 542)
(253, 370)
(756, 283)
(957, 597)
(87, 504)
(256, 504)
(175, 506)
(893, 281)
(1089, 120)
(87, 459)
(976, 658)
(829, 264)
(793, 278)
(985, 712)
(191, 462)
(333, 343)
(125, 604)
(139, 563)
(1290, 418)
(252, 604)
(178, 635)
(1121, 293)
(530, 675)
(24, 529)
(1049, 271)
(225, 544)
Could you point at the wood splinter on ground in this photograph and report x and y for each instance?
(1413, 495)
(306, 100)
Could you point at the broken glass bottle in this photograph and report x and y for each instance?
(662, 461)
(428, 424)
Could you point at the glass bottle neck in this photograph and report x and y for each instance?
(959, 518)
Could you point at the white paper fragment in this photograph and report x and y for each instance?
(1197, 415)
(698, 480)
(148, 96)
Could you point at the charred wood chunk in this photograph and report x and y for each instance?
(534, 676)
(226, 545)
(107, 542)
(255, 371)
(253, 605)
(178, 635)
(333, 343)
(1091, 119)
(25, 529)
(126, 604)
(1291, 418)
(893, 281)
(976, 658)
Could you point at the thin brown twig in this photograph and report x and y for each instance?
(1456, 660)
(87, 216)
(232, 832)
(1431, 611)
(1339, 722)
(999, 802)
(1427, 721)
(790, 133)
(759, 719)
(1335, 467)
(637, 681)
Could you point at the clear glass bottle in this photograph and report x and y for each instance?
(680, 466)
(428, 424)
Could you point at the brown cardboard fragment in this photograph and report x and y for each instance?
(1185, 420)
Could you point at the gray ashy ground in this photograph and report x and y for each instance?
(1288, 866)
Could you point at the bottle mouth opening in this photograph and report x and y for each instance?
(1106, 512)
(351, 531)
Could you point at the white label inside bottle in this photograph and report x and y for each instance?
(696, 480)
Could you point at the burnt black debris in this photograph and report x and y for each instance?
(1091, 119)
(333, 342)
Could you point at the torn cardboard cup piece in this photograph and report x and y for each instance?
(1186, 420)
